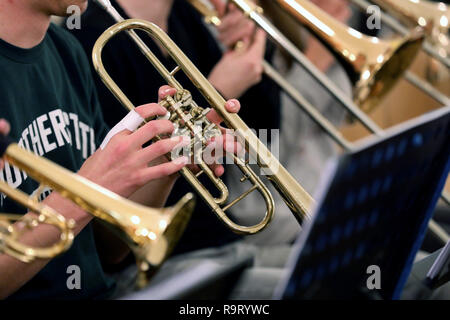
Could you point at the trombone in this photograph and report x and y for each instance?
(386, 60)
(433, 17)
(381, 71)
(182, 107)
(150, 233)
(211, 17)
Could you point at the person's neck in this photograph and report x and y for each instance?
(156, 11)
(22, 25)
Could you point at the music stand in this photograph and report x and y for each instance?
(373, 210)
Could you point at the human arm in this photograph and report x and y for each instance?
(125, 154)
(238, 70)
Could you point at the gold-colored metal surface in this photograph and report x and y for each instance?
(288, 25)
(295, 196)
(10, 242)
(373, 65)
(293, 51)
(436, 69)
(432, 16)
(150, 233)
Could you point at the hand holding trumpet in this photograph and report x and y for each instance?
(123, 166)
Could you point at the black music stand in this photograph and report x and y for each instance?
(374, 210)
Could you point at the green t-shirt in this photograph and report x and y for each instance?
(48, 95)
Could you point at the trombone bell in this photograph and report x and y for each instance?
(433, 17)
(373, 65)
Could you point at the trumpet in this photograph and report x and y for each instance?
(150, 233)
(298, 200)
(10, 235)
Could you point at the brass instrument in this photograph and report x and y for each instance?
(433, 17)
(150, 233)
(427, 15)
(10, 243)
(373, 65)
(255, 13)
(211, 17)
(298, 200)
(310, 16)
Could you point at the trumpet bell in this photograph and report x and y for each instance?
(153, 242)
(150, 233)
(373, 65)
